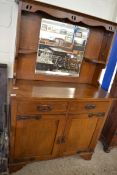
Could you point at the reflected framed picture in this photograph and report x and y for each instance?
(44, 27)
(79, 34)
(49, 28)
(68, 39)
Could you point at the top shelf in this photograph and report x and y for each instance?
(47, 90)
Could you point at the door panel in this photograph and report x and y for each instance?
(79, 133)
(36, 138)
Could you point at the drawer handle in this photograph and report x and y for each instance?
(29, 117)
(90, 106)
(99, 114)
(44, 108)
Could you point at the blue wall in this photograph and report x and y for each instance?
(110, 66)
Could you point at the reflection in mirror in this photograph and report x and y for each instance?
(61, 48)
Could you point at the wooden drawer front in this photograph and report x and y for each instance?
(44, 107)
(88, 106)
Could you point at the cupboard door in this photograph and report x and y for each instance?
(36, 136)
(80, 132)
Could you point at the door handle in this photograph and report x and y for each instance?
(44, 108)
(99, 114)
(90, 106)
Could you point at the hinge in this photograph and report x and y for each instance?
(61, 140)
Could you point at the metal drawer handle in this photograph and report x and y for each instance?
(29, 117)
(99, 114)
(90, 106)
(44, 108)
(91, 115)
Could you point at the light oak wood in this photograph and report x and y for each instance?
(88, 106)
(41, 107)
(76, 130)
(56, 90)
(100, 38)
(54, 116)
(40, 136)
(80, 132)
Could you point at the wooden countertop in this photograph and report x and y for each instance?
(55, 90)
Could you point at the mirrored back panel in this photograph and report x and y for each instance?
(61, 48)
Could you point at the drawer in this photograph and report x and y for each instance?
(44, 107)
(88, 106)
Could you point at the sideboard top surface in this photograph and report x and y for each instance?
(55, 90)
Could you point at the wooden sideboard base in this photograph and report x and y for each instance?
(54, 115)
(13, 167)
(86, 156)
(16, 166)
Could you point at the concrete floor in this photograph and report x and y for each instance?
(101, 164)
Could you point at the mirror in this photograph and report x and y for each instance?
(61, 48)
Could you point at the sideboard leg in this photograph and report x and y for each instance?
(86, 156)
(15, 167)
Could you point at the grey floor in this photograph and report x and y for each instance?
(101, 164)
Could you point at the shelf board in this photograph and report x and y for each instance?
(94, 61)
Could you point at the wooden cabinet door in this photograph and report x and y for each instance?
(81, 133)
(36, 136)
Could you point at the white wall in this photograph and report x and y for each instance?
(105, 9)
(8, 20)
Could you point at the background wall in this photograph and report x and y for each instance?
(8, 20)
(105, 9)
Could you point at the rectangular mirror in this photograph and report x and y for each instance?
(61, 48)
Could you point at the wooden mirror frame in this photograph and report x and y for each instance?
(96, 52)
